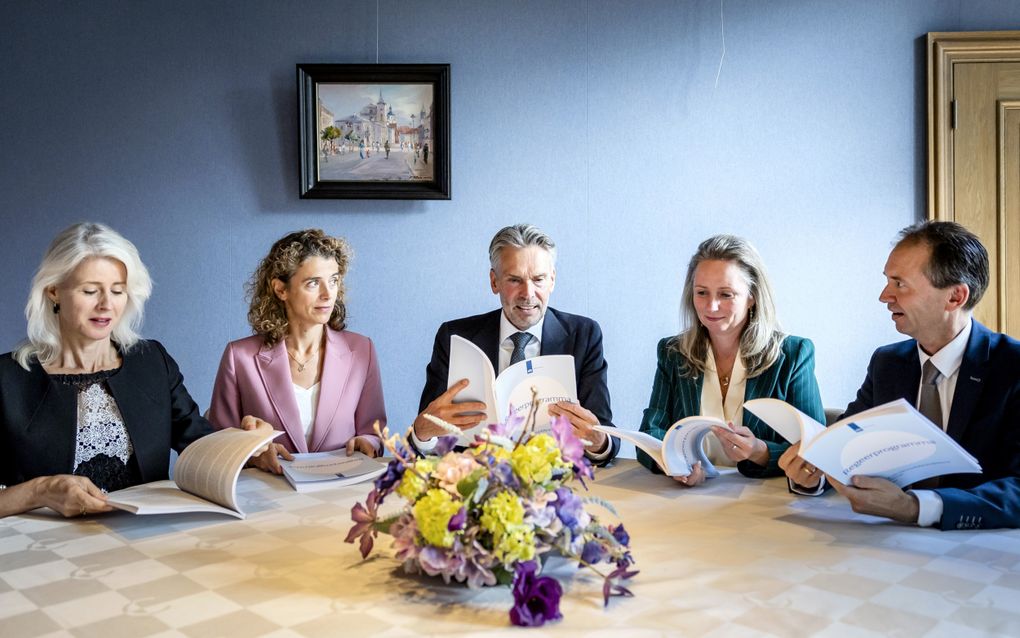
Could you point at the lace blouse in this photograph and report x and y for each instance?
(103, 450)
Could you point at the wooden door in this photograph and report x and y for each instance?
(974, 155)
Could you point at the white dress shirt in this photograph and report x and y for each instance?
(948, 361)
(506, 349)
(506, 345)
(731, 410)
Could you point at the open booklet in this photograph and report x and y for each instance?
(679, 449)
(322, 470)
(551, 375)
(892, 441)
(205, 477)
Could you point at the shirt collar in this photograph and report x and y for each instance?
(949, 359)
(506, 329)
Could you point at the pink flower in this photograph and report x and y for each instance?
(452, 468)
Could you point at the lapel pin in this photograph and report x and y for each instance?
(975, 380)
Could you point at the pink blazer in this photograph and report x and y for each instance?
(255, 380)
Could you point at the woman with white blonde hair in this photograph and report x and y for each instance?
(730, 349)
(86, 405)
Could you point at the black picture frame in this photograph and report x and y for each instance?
(334, 163)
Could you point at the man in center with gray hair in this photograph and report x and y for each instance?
(523, 274)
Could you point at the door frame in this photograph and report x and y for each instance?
(944, 50)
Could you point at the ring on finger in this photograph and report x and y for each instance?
(734, 446)
(83, 512)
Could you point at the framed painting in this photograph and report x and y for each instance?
(374, 131)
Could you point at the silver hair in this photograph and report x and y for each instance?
(69, 249)
(519, 236)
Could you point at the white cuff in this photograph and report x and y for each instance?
(423, 446)
(929, 507)
(602, 454)
(807, 491)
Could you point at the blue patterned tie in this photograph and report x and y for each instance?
(520, 341)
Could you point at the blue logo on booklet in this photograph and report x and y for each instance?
(854, 427)
(530, 368)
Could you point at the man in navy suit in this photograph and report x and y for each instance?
(523, 274)
(935, 276)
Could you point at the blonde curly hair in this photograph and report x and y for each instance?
(267, 314)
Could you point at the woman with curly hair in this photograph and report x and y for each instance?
(301, 370)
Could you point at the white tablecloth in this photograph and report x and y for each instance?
(733, 557)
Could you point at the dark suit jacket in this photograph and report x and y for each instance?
(562, 333)
(985, 420)
(39, 416)
(676, 396)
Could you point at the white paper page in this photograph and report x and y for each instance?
(648, 443)
(329, 466)
(209, 466)
(684, 446)
(468, 361)
(791, 424)
(895, 442)
(551, 375)
(163, 497)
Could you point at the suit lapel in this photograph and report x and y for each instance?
(904, 380)
(969, 382)
(763, 384)
(132, 391)
(276, 380)
(54, 420)
(336, 369)
(487, 337)
(554, 335)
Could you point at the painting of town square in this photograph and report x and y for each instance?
(375, 132)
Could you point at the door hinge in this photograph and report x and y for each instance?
(952, 114)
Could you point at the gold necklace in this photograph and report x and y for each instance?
(301, 365)
(724, 380)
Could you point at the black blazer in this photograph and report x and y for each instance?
(562, 333)
(985, 420)
(39, 416)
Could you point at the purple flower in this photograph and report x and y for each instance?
(569, 508)
(457, 521)
(503, 473)
(394, 472)
(571, 448)
(621, 535)
(364, 517)
(612, 587)
(435, 561)
(444, 444)
(593, 552)
(404, 531)
(536, 598)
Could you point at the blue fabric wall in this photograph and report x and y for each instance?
(628, 131)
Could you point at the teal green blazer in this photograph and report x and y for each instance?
(790, 379)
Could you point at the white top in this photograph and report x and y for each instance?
(712, 404)
(307, 400)
(506, 346)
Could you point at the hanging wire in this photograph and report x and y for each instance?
(722, 28)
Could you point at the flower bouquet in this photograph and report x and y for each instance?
(486, 515)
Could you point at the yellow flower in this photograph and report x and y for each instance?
(516, 545)
(411, 486)
(498, 452)
(503, 517)
(433, 512)
(534, 461)
(502, 512)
